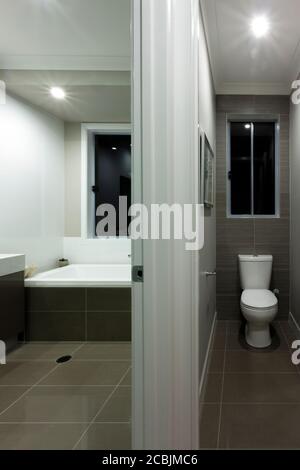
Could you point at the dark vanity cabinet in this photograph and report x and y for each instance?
(12, 306)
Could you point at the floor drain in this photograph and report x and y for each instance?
(63, 359)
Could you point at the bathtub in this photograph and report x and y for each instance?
(81, 302)
(84, 275)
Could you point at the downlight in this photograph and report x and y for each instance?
(260, 26)
(58, 93)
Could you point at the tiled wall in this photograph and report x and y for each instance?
(78, 314)
(247, 236)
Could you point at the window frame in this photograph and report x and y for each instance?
(253, 118)
(88, 208)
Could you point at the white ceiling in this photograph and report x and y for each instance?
(65, 34)
(91, 96)
(243, 64)
(82, 45)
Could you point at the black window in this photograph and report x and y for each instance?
(113, 174)
(252, 172)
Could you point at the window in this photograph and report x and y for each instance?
(113, 174)
(253, 169)
(105, 174)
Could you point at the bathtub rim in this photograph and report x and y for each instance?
(40, 281)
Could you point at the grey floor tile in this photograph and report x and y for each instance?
(233, 343)
(9, 395)
(233, 327)
(261, 388)
(216, 363)
(221, 326)
(209, 426)
(246, 362)
(106, 436)
(260, 427)
(290, 333)
(58, 404)
(87, 373)
(118, 407)
(127, 381)
(219, 341)
(24, 373)
(39, 436)
(213, 388)
(43, 351)
(105, 351)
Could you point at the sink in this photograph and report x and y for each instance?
(10, 264)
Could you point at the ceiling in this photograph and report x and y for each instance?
(242, 63)
(65, 34)
(91, 96)
(83, 46)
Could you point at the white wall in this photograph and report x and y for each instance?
(72, 179)
(31, 183)
(207, 120)
(93, 251)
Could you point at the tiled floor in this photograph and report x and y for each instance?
(251, 400)
(83, 404)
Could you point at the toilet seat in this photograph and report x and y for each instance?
(261, 299)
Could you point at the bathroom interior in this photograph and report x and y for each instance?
(65, 294)
(65, 127)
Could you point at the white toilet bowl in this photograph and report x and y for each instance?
(259, 307)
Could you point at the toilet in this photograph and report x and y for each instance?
(258, 304)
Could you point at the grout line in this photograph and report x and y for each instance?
(101, 408)
(50, 359)
(79, 386)
(74, 351)
(65, 386)
(222, 388)
(264, 372)
(61, 422)
(85, 315)
(254, 403)
(73, 360)
(29, 390)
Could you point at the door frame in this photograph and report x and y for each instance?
(165, 340)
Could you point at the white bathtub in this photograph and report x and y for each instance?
(84, 275)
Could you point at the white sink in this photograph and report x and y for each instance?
(10, 264)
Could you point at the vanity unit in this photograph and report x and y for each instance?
(12, 316)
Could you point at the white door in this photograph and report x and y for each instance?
(165, 153)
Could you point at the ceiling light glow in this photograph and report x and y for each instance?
(260, 26)
(58, 93)
(114, 148)
(247, 126)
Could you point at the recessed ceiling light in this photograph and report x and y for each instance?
(260, 26)
(58, 93)
(247, 126)
(114, 148)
